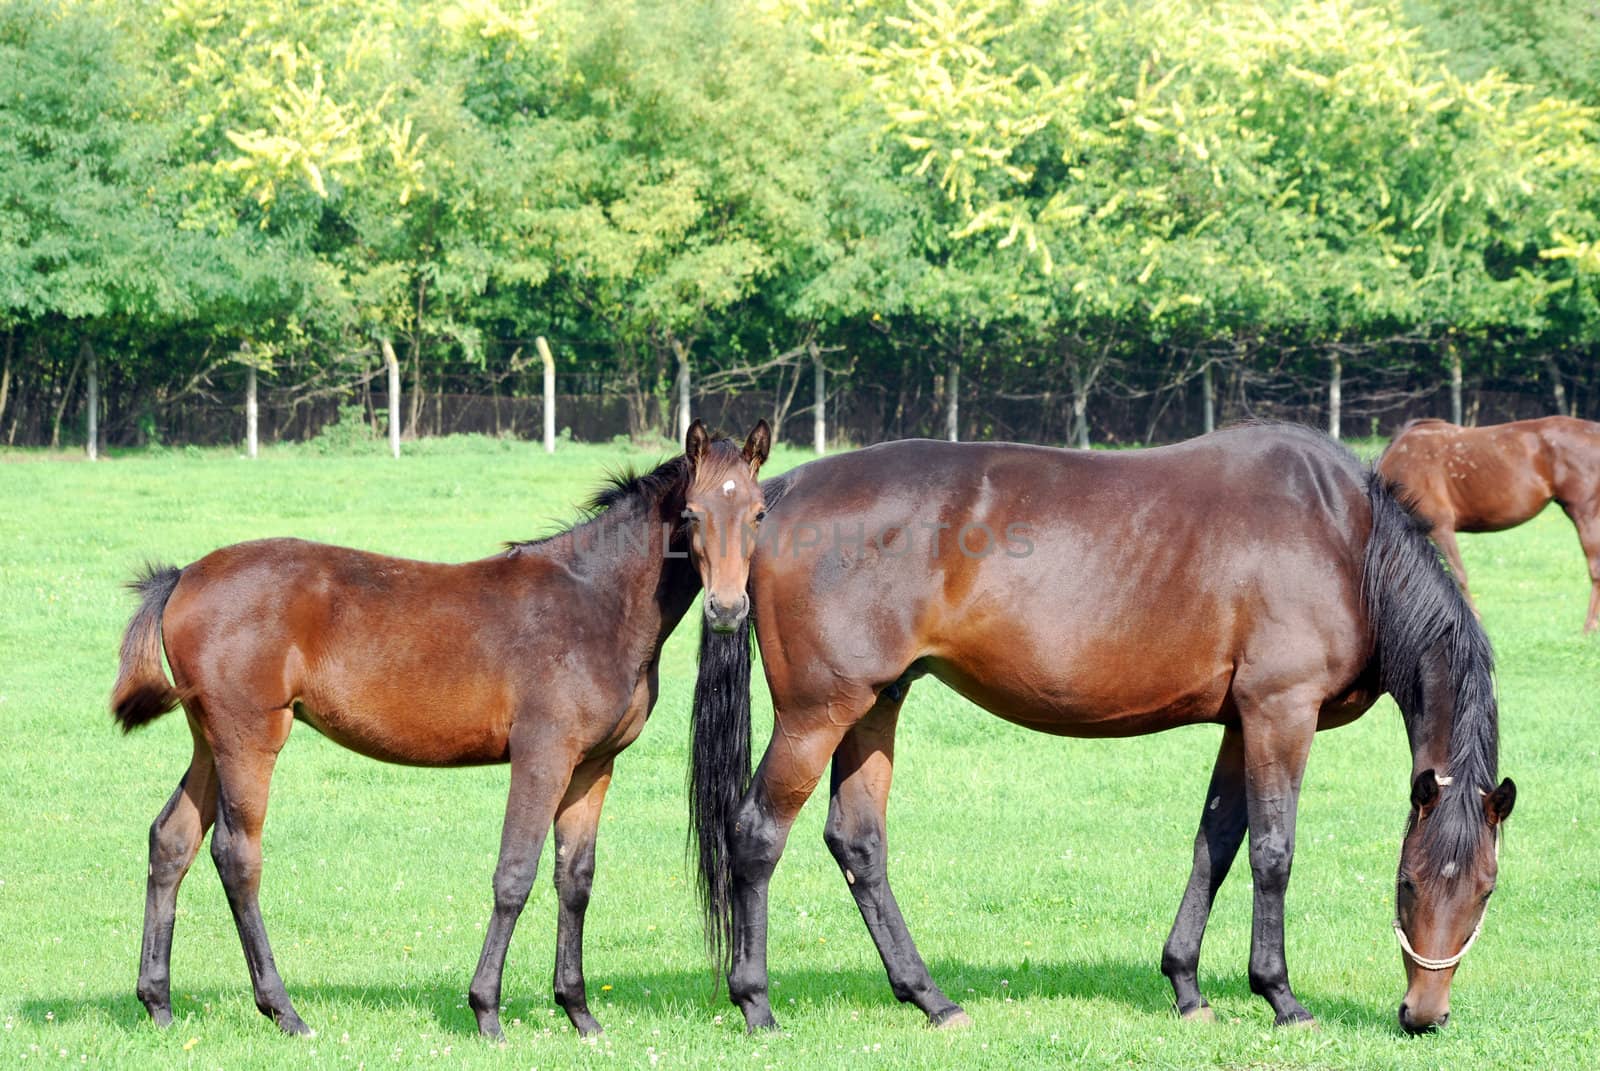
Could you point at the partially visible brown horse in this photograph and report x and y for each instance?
(1494, 478)
(544, 656)
(1258, 579)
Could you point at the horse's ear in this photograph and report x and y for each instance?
(1424, 791)
(1497, 804)
(757, 446)
(695, 443)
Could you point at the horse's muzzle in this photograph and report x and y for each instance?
(726, 617)
(1414, 1026)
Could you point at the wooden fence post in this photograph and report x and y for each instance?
(93, 437)
(393, 364)
(1455, 381)
(549, 393)
(819, 412)
(252, 412)
(952, 414)
(1335, 394)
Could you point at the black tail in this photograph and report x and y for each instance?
(1427, 637)
(719, 774)
(142, 692)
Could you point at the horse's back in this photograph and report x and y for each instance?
(402, 660)
(1037, 581)
(1482, 479)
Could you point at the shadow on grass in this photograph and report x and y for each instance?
(806, 995)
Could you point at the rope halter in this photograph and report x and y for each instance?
(1449, 961)
(1436, 964)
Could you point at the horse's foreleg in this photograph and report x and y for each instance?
(1444, 537)
(577, 822)
(539, 777)
(175, 838)
(863, 767)
(788, 773)
(1277, 737)
(244, 773)
(1222, 828)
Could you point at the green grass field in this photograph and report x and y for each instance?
(1039, 875)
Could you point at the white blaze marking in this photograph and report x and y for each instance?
(1214, 801)
(728, 487)
(1448, 870)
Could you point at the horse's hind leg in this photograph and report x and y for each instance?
(244, 770)
(577, 822)
(1444, 537)
(1222, 827)
(175, 838)
(863, 766)
(1586, 519)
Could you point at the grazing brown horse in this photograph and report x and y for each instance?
(544, 656)
(1258, 578)
(1494, 478)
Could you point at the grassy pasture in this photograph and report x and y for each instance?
(1039, 875)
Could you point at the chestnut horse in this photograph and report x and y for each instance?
(544, 656)
(1258, 578)
(1494, 478)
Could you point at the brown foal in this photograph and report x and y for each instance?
(1258, 579)
(1493, 478)
(544, 656)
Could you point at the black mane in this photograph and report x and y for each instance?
(628, 485)
(622, 485)
(1430, 624)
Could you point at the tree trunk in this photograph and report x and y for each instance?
(1557, 389)
(414, 418)
(1335, 393)
(1080, 405)
(252, 413)
(1208, 403)
(66, 395)
(549, 393)
(783, 398)
(819, 411)
(1453, 354)
(680, 389)
(91, 437)
(952, 412)
(392, 363)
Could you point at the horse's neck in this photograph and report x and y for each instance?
(628, 555)
(1432, 729)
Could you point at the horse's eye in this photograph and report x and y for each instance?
(1407, 887)
(761, 515)
(1487, 895)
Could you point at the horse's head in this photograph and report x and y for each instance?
(723, 504)
(1449, 861)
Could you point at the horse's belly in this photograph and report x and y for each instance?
(1086, 703)
(414, 731)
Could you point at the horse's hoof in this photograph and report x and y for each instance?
(1202, 1014)
(162, 1017)
(492, 1033)
(294, 1026)
(769, 1025)
(1298, 1021)
(950, 1019)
